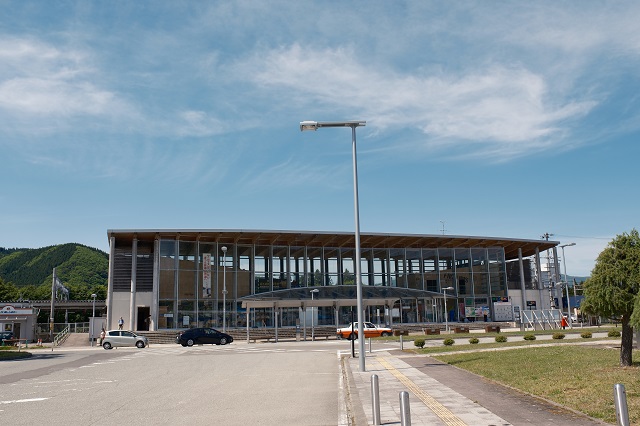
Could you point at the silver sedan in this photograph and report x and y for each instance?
(115, 338)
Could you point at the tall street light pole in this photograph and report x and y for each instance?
(313, 336)
(315, 125)
(224, 289)
(566, 282)
(93, 316)
(446, 314)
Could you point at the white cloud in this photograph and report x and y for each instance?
(198, 123)
(56, 97)
(495, 110)
(45, 89)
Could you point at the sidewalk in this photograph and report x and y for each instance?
(440, 394)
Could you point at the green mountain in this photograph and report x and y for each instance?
(81, 269)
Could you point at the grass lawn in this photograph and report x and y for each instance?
(579, 377)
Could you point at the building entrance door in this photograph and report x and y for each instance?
(144, 318)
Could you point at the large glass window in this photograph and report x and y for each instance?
(315, 266)
(332, 271)
(168, 256)
(497, 272)
(348, 267)
(187, 275)
(243, 272)
(279, 264)
(397, 267)
(166, 314)
(463, 270)
(414, 277)
(296, 267)
(188, 299)
(186, 314)
(205, 314)
(430, 269)
(365, 268)
(480, 267)
(188, 252)
(262, 269)
(379, 267)
(446, 268)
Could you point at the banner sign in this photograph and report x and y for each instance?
(206, 275)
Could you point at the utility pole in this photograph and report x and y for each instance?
(443, 230)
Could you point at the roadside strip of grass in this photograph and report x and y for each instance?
(7, 355)
(576, 376)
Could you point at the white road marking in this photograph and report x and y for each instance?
(23, 400)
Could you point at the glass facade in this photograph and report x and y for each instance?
(192, 277)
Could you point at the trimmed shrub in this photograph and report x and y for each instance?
(529, 336)
(558, 336)
(613, 333)
(448, 341)
(419, 343)
(501, 338)
(585, 335)
(474, 340)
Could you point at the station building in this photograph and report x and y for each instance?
(175, 279)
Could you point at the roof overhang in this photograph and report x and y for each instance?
(336, 239)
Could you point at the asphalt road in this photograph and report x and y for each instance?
(168, 384)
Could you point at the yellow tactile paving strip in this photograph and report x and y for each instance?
(440, 410)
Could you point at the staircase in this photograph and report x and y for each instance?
(76, 339)
(159, 336)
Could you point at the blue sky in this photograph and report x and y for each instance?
(506, 119)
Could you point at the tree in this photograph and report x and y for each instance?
(613, 288)
(348, 278)
(8, 291)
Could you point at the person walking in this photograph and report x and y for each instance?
(563, 322)
(120, 323)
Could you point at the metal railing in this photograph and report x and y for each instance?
(541, 319)
(60, 337)
(74, 327)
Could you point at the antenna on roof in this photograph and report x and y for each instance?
(443, 230)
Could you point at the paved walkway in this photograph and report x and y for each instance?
(440, 394)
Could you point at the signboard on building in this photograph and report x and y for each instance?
(502, 311)
(206, 275)
(11, 310)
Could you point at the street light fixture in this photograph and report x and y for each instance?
(446, 314)
(313, 336)
(315, 125)
(224, 289)
(566, 282)
(93, 316)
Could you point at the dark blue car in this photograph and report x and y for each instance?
(203, 336)
(6, 335)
